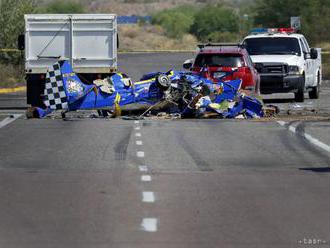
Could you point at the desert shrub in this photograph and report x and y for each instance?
(223, 37)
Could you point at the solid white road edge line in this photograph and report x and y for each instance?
(316, 142)
(308, 137)
(149, 224)
(9, 120)
(148, 196)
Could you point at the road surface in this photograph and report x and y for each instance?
(164, 183)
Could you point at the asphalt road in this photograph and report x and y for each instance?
(164, 183)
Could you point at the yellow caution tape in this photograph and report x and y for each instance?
(9, 50)
(12, 90)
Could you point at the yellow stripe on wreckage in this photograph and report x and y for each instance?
(117, 109)
(152, 79)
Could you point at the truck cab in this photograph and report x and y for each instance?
(285, 62)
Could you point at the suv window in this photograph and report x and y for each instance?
(272, 45)
(225, 60)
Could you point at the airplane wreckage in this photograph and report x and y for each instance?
(183, 93)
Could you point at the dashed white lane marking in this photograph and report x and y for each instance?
(136, 122)
(309, 137)
(148, 196)
(149, 224)
(9, 120)
(138, 135)
(139, 143)
(140, 154)
(143, 168)
(146, 178)
(137, 128)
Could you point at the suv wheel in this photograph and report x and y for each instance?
(315, 92)
(299, 95)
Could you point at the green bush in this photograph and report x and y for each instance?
(176, 22)
(63, 7)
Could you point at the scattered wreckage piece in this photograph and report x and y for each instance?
(185, 94)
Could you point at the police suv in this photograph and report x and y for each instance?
(285, 62)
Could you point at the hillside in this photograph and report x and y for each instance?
(145, 7)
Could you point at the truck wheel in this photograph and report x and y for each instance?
(299, 95)
(315, 92)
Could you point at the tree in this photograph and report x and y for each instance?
(214, 19)
(12, 20)
(315, 16)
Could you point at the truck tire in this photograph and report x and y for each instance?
(315, 92)
(299, 95)
(35, 87)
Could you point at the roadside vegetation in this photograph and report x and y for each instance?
(175, 24)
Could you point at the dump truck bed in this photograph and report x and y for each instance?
(88, 41)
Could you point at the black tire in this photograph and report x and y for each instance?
(299, 95)
(315, 92)
(163, 82)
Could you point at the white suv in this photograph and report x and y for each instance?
(285, 62)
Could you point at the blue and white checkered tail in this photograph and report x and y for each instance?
(55, 97)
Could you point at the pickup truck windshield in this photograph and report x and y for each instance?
(272, 45)
(225, 60)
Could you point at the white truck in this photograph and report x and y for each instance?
(88, 41)
(285, 62)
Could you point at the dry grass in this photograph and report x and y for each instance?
(325, 46)
(326, 71)
(11, 76)
(135, 37)
(326, 66)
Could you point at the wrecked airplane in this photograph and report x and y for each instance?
(185, 93)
